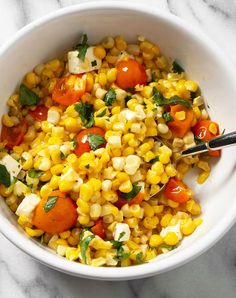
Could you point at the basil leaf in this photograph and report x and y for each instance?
(152, 161)
(121, 235)
(95, 140)
(5, 177)
(51, 201)
(139, 258)
(121, 254)
(103, 113)
(27, 96)
(86, 113)
(176, 100)
(116, 244)
(62, 155)
(34, 173)
(82, 47)
(94, 63)
(84, 243)
(167, 116)
(176, 67)
(133, 193)
(109, 97)
(154, 77)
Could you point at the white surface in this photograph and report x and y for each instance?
(207, 280)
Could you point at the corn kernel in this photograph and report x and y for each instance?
(165, 220)
(155, 240)
(203, 177)
(171, 238)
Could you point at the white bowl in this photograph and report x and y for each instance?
(54, 34)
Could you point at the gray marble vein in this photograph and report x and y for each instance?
(212, 275)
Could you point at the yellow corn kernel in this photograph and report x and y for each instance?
(146, 92)
(155, 240)
(158, 168)
(132, 245)
(213, 128)
(99, 52)
(122, 177)
(72, 253)
(57, 169)
(170, 170)
(98, 243)
(54, 182)
(54, 141)
(128, 151)
(7, 121)
(150, 254)
(197, 221)
(98, 262)
(83, 219)
(95, 210)
(65, 186)
(183, 168)
(73, 241)
(65, 235)
(98, 104)
(171, 238)
(45, 190)
(197, 112)
(34, 233)
(23, 221)
(172, 204)
(164, 158)
(83, 206)
(188, 227)
(102, 79)
(111, 75)
(150, 222)
(46, 126)
(96, 184)
(86, 192)
(61, 242)
(144, 148)
(126, 186)
(204, 165)
(158, 209)
(164, 178)
(32, 79)
(165, 220)
(148, 210)
(27, 164)
(115, 110)
(203, 177)
(193, 207)
(45, 176)
(152, 177)
(149, 156)
(72, 124)
(191, 86)
(135, 211)
(120, 43)
(110, 196)
(131, 222)
(180, 115)
(89, 82)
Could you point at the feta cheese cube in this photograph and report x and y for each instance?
(76, 65)
(121, 232)
(53, 116)
(175, 229)
(13, 167)
(132, 163)
(27, 206)
(118, 163)
(114, 141)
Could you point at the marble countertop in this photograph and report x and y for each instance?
(212, 275)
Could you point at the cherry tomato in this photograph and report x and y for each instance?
(177, 191)
(98, 228)
(61, 217)
(82, 139)
(68, 90)
(130, 73)
(202, 132)
(14, 135)
(40, 113)
(136, 200)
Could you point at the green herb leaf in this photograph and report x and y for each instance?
(95, 140)
(5, 177)
(223, 132)
(139, 258)
(51, 201)
(103, 113)
(193, 94)
(166, 246)
(82, 47)
(94, 63)
(133, 193)
(34, 173)
(86, 113)
(74, 142)
(116, 244)
(62, 155)
(27, 96)
(121, 235)
(127, 98)
(152, 161)
(167, 116)
(84, 244)
(176, 67)
(176, 100)
(121, 254)
(154, 77)
(131, 89)
(109, 97)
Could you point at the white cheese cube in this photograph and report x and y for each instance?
(175, 229)
(53, 116)
(132, 163)
(27, 206)
(121, 232)
(114, 141)
(13, 167)
(91, 62)
(118, 163)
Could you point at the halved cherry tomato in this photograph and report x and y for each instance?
(68, 90)
(177, 191)
(61, 217)
(180, 127)
(40, 113)
(98, 228)
(202, 132)
(14, 135)
(136, 200)
(130, 73)
(82, 139)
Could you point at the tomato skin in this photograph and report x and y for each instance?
(82, 139)
(176, 190)
(98, 229)
(40, 113)
(130, 73)
(14, 135)
(136, 200)
(202, 132)
(69, 89)
(60, 218)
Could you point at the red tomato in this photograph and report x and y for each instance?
(176, 190)
(201, 131)
(136, 200)
(40, 113)
(130, 73)
(98, 229)
(82, 139)
(61, 217)
(14, 135)
(69, 89)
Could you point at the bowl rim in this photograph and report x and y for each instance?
(104, 273)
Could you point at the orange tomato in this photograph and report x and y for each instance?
(61, 217)
(82, 139)
(14, 135)
(202, 132)
(69, 89)
(176, 190)
(40, 113)
(130, 73)
(180, 127)
(136, 200)
(98, 228)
